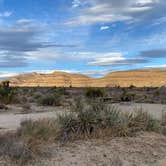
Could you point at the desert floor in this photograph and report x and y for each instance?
(145, 149)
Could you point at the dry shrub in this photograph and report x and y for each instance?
(163, 122)
(44, 130)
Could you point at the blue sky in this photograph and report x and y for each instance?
(92, 37)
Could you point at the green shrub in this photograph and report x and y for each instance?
(157, 92)
(92, 118)
(127, 96)
(142, 121)
(50, 100)
(94, 92)
(37, 96)
(7, 94)
(60, 91)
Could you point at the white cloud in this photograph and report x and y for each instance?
(76, 3)
(117, 60)
(92, 19)
(8, 74)
(108, 11)
(6, 14)
(95, 55)
(156, 66)
(104, 28)
(25, 21)
(106, 61)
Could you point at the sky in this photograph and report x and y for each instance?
(92, 37)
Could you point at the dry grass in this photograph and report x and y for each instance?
(15, 150)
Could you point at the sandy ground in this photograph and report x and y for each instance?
(11, 120)
(146, 149)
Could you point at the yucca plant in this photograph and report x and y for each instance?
(142, 121)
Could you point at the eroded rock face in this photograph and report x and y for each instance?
(139, 78)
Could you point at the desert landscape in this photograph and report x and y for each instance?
(82, 83)
(76, 124)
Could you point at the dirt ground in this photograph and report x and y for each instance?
(146, 149)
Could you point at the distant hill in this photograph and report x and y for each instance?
(139, 78)
(53, 79)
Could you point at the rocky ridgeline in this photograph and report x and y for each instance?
(138, 78)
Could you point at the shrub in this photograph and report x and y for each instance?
(163, 122)
(78, 105)
(132, 87)
(96, 117)
(6, 93)
(43, 130)
(50, 100)
(142, 121)
(37, 96)
(127, 96)
(157, 92)
(60, 91)
(94, 92)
